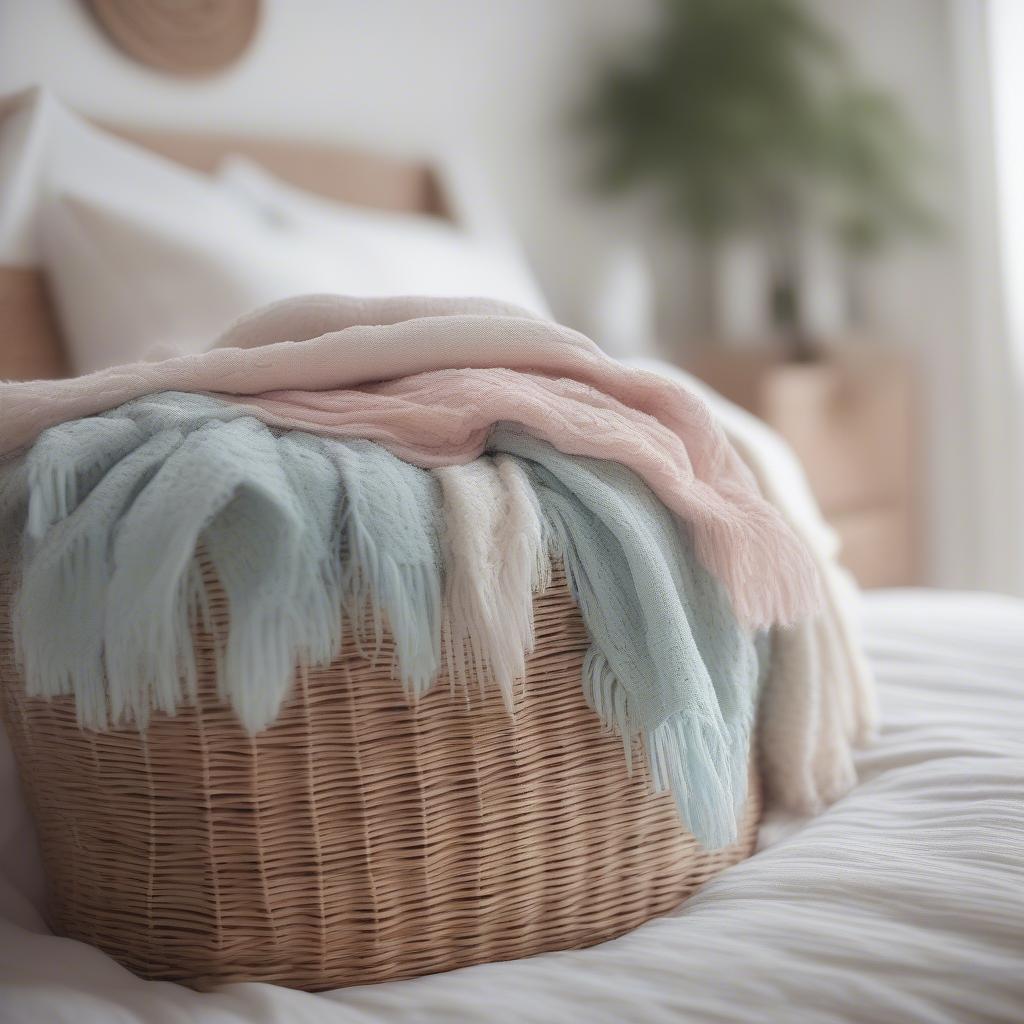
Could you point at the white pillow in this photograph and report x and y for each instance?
(392, 253)
(46, 148)
(146, 258)
(136, 284)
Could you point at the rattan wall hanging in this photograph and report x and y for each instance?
(183, 37)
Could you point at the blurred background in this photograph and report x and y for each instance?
(815, 205)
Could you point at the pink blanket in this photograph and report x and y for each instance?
(428, 378)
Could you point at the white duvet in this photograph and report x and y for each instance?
(903, 902)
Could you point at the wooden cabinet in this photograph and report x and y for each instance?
(850, 419)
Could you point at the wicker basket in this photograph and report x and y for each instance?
(358, 839)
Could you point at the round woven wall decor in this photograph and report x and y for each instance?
(184, 37)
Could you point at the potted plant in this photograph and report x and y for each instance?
(746, 119)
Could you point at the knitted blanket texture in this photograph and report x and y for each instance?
(310, 536)
(818, 703)
(414, 465)
(409, 379)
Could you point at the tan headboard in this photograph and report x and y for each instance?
(30, 346)
(386, 183)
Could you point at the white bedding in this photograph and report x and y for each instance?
(905, 901)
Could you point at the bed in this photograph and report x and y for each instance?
(904, 901)
(32, 347)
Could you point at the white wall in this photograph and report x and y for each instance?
(494, 78)
(498, 77)
(918, 292)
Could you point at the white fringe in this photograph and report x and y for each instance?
(496, 559)
(701, 763)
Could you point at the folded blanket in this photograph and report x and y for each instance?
(119, 509)
(305, 533)
(497, 556)
(448, 377)
(668, 662)
(819, 700)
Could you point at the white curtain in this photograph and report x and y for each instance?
(988, 41)
(1006, 46)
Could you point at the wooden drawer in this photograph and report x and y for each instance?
(850, 420)
(878, 546)
(850, 425)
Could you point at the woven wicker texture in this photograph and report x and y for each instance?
(358, 839)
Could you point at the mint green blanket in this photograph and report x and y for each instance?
(668, 661)
(311, 536)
